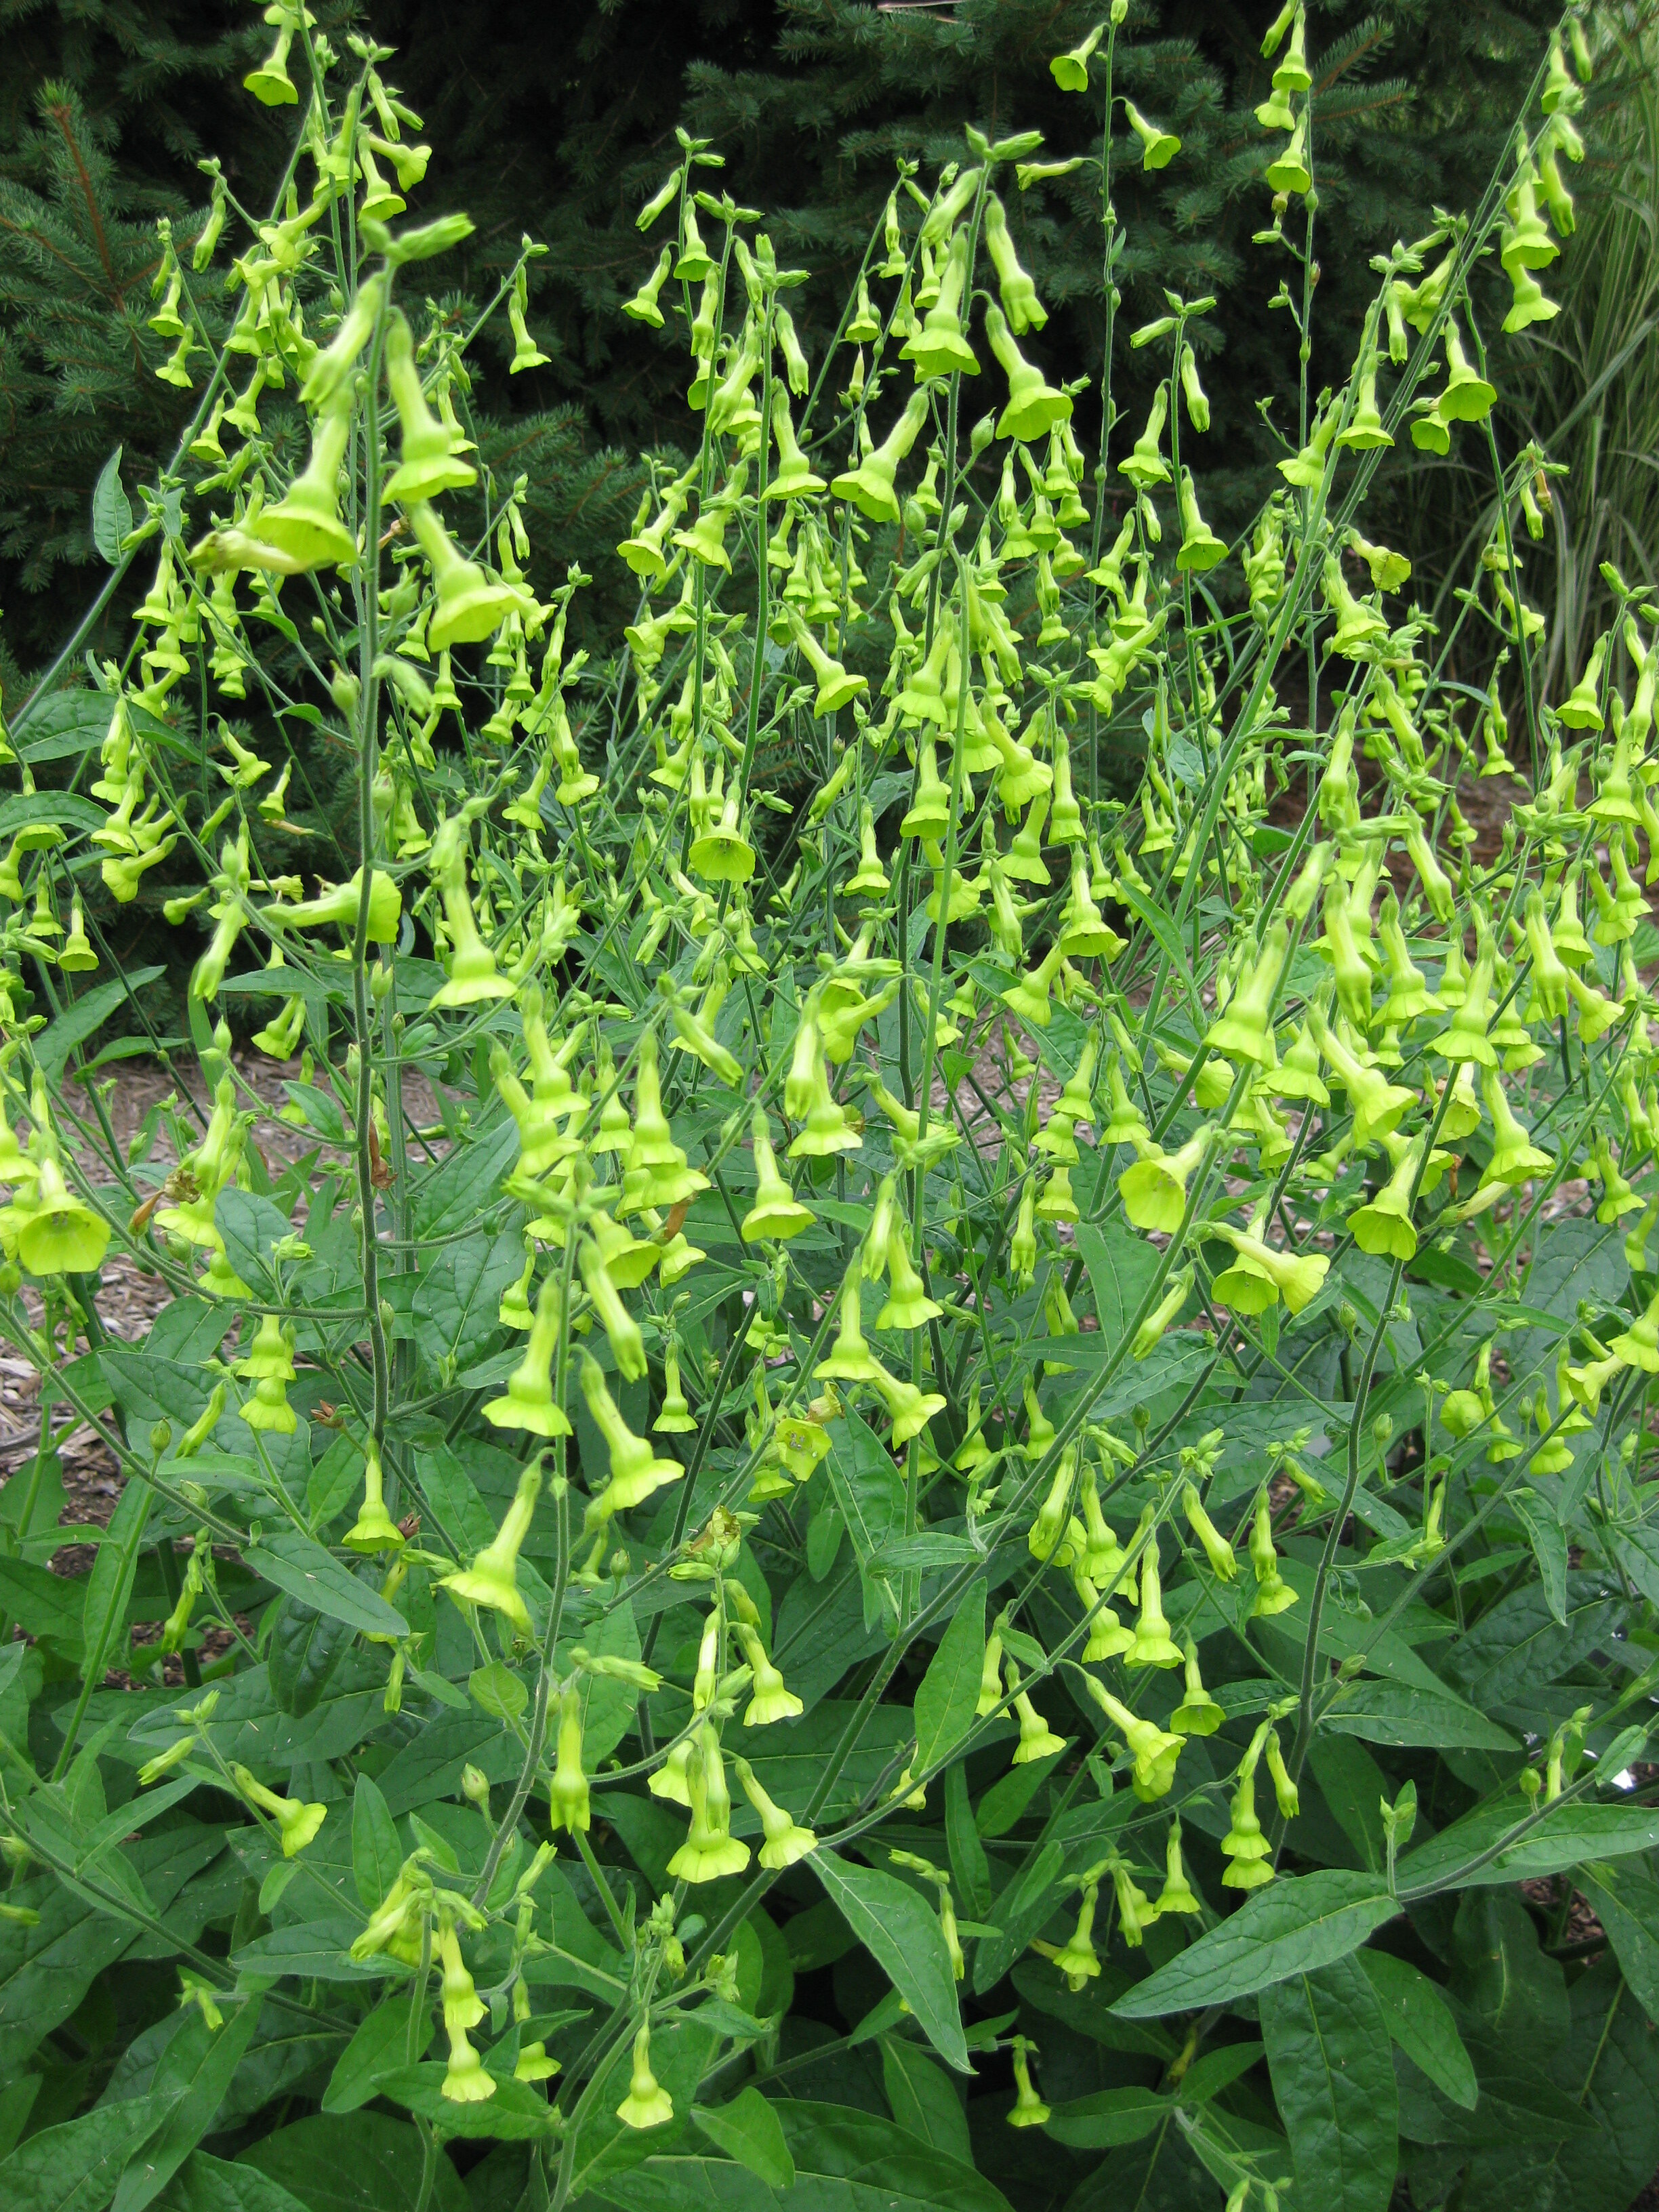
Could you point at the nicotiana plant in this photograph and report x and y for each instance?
(860, 1467)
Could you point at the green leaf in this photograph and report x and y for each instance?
(1406, 1715)
(1577, 1832)
(949, 1691)
(356, 2162)
(1333, 2078)
(1120, 1267)
(44, 1604)
(1295, 1926)
(455, 1305)
(212, 2184)
(1625, 1900)
(306, 1571)
(969, 1867)
(845, 2161)
(1005, 1802)
(900, 1931)
(923, 2098)
(111, 511)
(1018, 1912)
(1108, 2118)
(84, 1018)
(190, 2083)
(518, 2112)
(748, 2131)
(870, 1491)
(303, 1648)
(376, 1853)
(73, 2167)
(1422, 2023)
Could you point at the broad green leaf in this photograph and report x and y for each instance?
(1107, 2119)
(376, 1853)
(353, 2162)
(44, 1605)
(213, 2184)
(748, 2131)
(969, 1867)
(1212, 2071)
(306, 1571)
(83, 1019)
(1548, 1540)
(73, 2167)
(518, 2112)
(1333, 2078)
(923, 2098)
(1406, 1715)
(455, 1305)
(1625, 1899)
(901, 1930)
(1295, 1926)
(1422, 2023)
(949, 1691)
(190, 2086)
(1120, 1267)
(304, 1646)
(870, 1491)
(1018, 1913)
(845, 2161)
(1005, 1802)
(111, 510)
(1577, 1832)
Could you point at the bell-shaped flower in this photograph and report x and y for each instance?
(270, 83)
(710, 1850)
(1383, 1226)
(1145, 465)
(1150, 1335)
(1076, 1958)
(1153, 1750)
(528, 1402)
(492, 1578)
(430, 460)
(1272, 1593)
(771, 1699)
(1285, 1793)
(1154, 1189)
(1036, 1739)
(647, 2103)
(375, 1529)
(1198, 1713)
(776, 1213)
(1153, 1646)
(1071, 70)
(911, 1406)
(1217, 1551)
(56, 1232)
(939, 349)
(907, 1304)
(635, 1470)
(297, 1824)
(1034, 406)
(627, 1345)
(871, 486)
(787, 1843)
(1029, 2109)
(472, 972)
(1261, 1274)
(568, 1793)
(1244, 1845)
(1244, 1031)
(1638, 1345)
(1200, 550)
(1176, 1895)
(470, 606)
(1377, 1104)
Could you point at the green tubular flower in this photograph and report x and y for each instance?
(786, 1842)
(567, 1794)
(1135, 1910)
(1223, 1564)
(57, 1233)
(1153, 1646)
(772, 1700)
(1244, 1846)
(297, 1824)
(647, 2103)
(1198, 1713)
(627, 1345)
(528, 1402)
(1077, 1959)
(1272, 1593)
(374, 1530)
(1154, 1189)
(1030, 2111)
(635, 1470)
(710, 1850)
(1176, 1895)
(1036, 1739)
(492, 1579)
